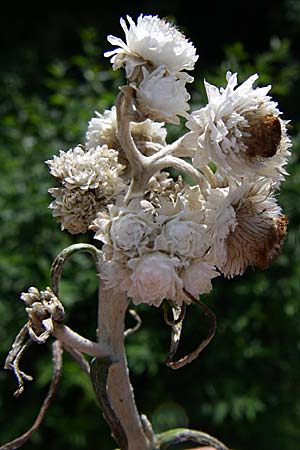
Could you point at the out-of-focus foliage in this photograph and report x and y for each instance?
(245, 387)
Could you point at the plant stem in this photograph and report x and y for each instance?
(111, 327)
(144, 167)
(77, 342)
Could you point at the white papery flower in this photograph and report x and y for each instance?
(130, 233)
(154, 278)
(197, 277)
(183, 238)
(246, 227)
(102, 129)
(127, 229)
(240, 131)
(162, 97)
(74, 209)
(97, 168)
(152, 41)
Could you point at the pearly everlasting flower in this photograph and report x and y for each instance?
(102, 129)
(197, 277)
(154, 42)
(128, 229)
(97, 168)
(74, 209)
(161, 96)
(240, 131)
(154, 278)
(183, 238)
(246, 227)
(162, 238)
(130, 233)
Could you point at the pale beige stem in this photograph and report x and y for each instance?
(72, 339)
(210, 176)
(176, 148)
(182, 166)
(112, 310)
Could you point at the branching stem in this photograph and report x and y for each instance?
(144, 167)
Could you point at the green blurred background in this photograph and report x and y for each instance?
(245, 387)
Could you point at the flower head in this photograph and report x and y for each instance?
(102, 130)
(97, 168)
(152, 41)
(74, 209)
(240, 131)
(128, 230)
(246, 227)
(88, 180)
(154, 278)
(162, 97)
(183, 238)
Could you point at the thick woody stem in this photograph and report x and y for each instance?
(109, 372)
(111, 314)
(137, 160)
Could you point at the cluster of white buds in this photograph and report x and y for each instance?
(162, 238)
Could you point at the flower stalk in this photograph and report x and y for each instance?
(119, 392)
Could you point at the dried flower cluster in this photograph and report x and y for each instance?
(163, 238)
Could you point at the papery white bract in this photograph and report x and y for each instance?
(240, 131)
(162, 97)
(152, 41)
